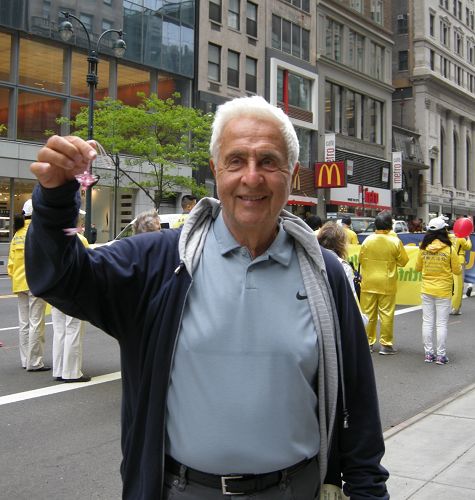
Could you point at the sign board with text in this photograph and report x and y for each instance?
(397, 170)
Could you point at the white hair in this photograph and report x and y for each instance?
(254, 107)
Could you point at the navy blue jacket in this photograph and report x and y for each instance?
(135, 290)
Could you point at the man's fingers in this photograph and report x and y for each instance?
(67, 152)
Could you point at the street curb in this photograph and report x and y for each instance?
(410, 421)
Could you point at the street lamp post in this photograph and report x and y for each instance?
(66, 32)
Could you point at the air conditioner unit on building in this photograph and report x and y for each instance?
(400, 17)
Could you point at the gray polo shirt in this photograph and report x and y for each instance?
(241, 397)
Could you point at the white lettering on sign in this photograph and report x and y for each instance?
(397, 170)
(330, 147)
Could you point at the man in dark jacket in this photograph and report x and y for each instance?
(245, 364)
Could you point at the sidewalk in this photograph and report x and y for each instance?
(432, 455)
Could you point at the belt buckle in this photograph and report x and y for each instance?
(224, 486)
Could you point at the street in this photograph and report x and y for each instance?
(62, 441)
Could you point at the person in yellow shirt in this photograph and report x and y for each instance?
(460, 246)
(350, 234)
(438, 262)
(381, 253)
(31, 309)
(188, 201)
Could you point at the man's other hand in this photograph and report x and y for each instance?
(61, 159)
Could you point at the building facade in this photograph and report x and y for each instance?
(434, 80)
(43, 78)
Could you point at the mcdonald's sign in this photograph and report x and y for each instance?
(330, 174)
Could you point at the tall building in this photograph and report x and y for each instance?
(43, 78)
(434, 80)
(328, 65)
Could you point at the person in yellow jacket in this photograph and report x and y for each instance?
(381, 253)
(350, 234)
(31, 309)
(438, 262)
(460, 245)
(188, 201)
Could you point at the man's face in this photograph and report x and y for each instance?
(252, 175)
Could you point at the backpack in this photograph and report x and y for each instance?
(356, 279)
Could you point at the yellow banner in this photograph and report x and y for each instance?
(408, 279)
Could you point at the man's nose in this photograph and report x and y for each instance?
(252, 174)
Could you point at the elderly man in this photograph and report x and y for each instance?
(245, 364)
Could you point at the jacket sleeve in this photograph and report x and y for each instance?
(403, 258)
(455, 265)
(418, 266)
(109, 286)
(356, 451)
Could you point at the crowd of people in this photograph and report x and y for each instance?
(245, 365)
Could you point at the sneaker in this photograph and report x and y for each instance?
(442, 360)
(455, 312)
(387, 349)
(371, 348)
(469, 290)
(429, 358)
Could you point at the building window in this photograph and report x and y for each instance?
(377, 11)
(375, 121)
(356, 50)
(333, 97)
(106, 25)
(5, 43)
(333, 39)
(376, 61)
(234, 14)
(431, 24)
(445, 67)
(432, 60)
(251, 74)
(300, 4)
(233, 68)
(402, 60)
(357, 5)
(215, 11)
(444, 33)
(458, 43)
(290, 38)
(470, 51)
(86, 19)
(459, 76)
(214, 62)
(298, 89)
(402, 24)
(251, 19)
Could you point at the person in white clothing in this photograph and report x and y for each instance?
(67, 342)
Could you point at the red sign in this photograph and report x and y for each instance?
(330, 174)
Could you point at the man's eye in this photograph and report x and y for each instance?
(269, 164)
(234, 163)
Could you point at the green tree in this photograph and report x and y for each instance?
(159, 135)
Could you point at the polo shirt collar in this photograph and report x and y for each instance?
(280, 250)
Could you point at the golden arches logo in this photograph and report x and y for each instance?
(329, 169)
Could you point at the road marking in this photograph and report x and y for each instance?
(47, 391)
(12, 296)
(17, 327)
(407, 310)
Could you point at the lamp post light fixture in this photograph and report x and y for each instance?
(66, 32)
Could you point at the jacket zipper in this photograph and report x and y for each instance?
(177, 271)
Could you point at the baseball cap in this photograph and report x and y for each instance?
(436, 224)
(27, 208)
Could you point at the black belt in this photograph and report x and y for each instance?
(236, 484)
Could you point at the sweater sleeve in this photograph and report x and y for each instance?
(356, 451)
(108, 286)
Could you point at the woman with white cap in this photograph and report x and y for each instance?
(438, 262)
(31, 309)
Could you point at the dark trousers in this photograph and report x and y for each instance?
(302, 485)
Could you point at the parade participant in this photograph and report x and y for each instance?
(31, 309)
(187, 203)
(68, 335)
(381, 254)
(245, 365)
(460, 246)
(350, 234)
(439, 263)
(314, 222)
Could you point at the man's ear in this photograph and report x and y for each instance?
(296, 171)
(212, 167)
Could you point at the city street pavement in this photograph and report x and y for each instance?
(432, 455)
(62, 441)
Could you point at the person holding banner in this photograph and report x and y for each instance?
(381, 254)
(438, 263)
